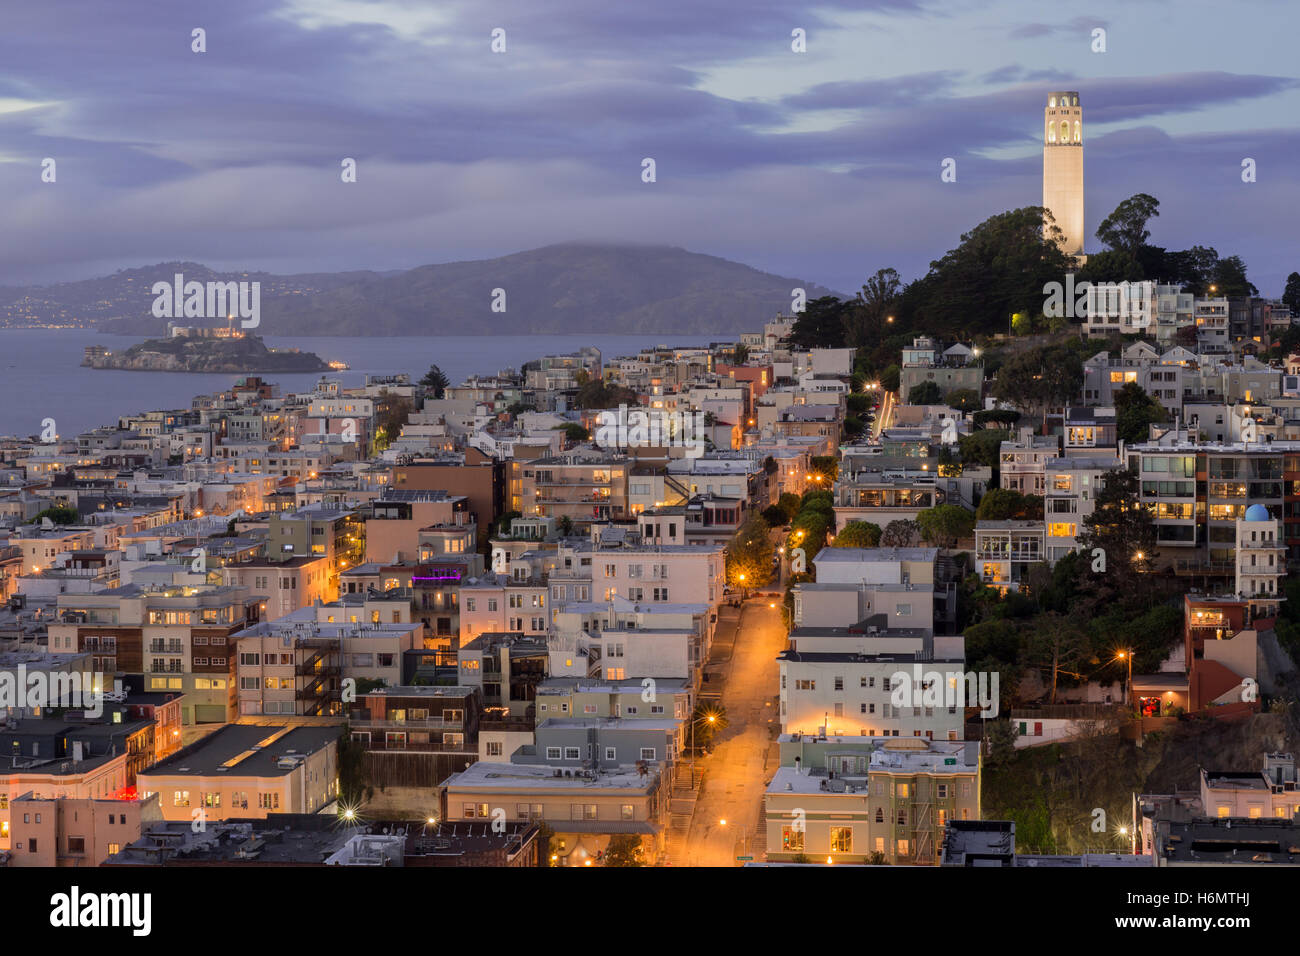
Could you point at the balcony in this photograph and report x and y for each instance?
(172, 647)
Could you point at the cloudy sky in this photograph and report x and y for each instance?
(822, 165)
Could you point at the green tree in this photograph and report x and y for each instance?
(1039, 378)
(1059, 645)
(1230, 278)
(858, 534)
(878, 298)
(962, 399)
(396, 412)
(1003, 504)
(821, 324)
(598, 394)
(1000, 416)
(707, 720)
(927, 393)
(944, 525)
(573, 432)
(999, 268)
(790, 503)
(749, 554)
(740, 353)
(623, 849)
(1135, 410)
(505, 521)
(57, 515)
(1291, 295)
(982, 446)
(1125, 229)
(900, 534)
(435, 382)
(1125, 532)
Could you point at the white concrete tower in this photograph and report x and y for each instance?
(1063, 167)
(1260, 560)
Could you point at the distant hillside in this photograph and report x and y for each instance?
(573, 287)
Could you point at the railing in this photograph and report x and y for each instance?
(1203, 566)
(1009, 555)
(324, 670)
(380, 743)
(401, 725)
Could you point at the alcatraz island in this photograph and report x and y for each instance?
(197, 349)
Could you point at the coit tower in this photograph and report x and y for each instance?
(1063, 167)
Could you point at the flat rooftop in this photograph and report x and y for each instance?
(492, 777)
(245, 751)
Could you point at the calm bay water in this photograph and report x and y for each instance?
(42, 377)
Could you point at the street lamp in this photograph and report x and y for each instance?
(1127, 656)
(711, 718)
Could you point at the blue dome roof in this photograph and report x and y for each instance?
(1256, 513)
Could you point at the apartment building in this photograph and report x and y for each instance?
(861, 800)
(337, 534)
(507, 668)
(617, 640)
(1253, 795)
(498, 603)
(584, 808)
(1070, 497)
(282, 586)
(633, 698)
(179, 639)
(583, 486)
(73, 756)
(1023, 461)
(910, 587)
(72, 832)
(297, 664)
(414, 736)
(842, 681)
(397, 518)
(247, 771)
(1197, 492)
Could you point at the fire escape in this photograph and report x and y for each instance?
(922, 827)
(317, 681)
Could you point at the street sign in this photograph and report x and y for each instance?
(744, 859)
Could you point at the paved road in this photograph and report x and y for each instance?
(734, 775)
(883, 414)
